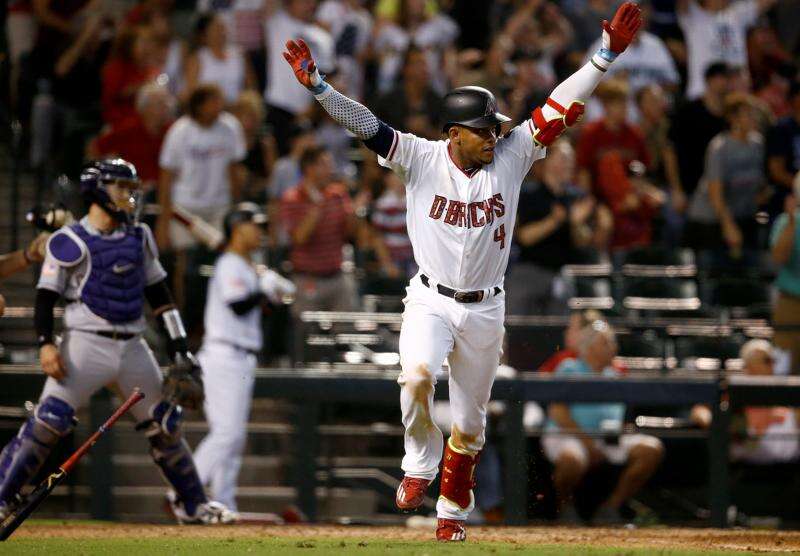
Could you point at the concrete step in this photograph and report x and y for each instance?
(148, 503)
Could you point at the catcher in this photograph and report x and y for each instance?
(105, 266)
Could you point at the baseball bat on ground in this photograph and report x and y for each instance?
(46, 487)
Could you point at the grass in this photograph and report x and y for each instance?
(285, 546)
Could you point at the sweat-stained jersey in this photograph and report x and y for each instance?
(461, 225)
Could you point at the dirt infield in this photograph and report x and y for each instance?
(649, 538)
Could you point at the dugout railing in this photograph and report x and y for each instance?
(308, 391)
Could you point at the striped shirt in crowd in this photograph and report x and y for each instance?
(321, 254)
(389, 218)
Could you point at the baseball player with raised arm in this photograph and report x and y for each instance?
(462, 195)
(105, 266)
(232, 340)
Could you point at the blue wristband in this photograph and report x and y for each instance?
(319, 89)
(607, 55)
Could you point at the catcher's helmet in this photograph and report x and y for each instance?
(471, 107)
(244, 212)
(98, 176)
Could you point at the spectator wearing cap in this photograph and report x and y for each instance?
(785, 251)
(286, 98)
(569, 443)
(697, 122)
(318, 216)
(412, 105)
(217, 61)
(721, 214)
(139, 139)
(783, 151)
(716, 30)
(767, 435)
(555, 217)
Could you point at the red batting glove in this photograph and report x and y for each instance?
(618, 34)
(305, 70)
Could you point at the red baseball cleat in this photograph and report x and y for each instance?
(450, 530)
(411, 493)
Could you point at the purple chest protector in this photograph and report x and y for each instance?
(114, 289)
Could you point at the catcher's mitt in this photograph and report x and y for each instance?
(183, 383)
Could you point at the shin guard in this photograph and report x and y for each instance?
(458, 477)
(22, 458)
(172, 455)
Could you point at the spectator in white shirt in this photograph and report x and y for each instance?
(434, 34)
(198, 165)
(216, 61)
(716, 31)
(285, 97)
(242, 18)
(350, 25)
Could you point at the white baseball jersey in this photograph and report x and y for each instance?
(461, 225)
(234, 279)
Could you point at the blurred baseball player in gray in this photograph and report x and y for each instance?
(105, 266)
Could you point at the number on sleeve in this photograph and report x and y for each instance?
(500, 235)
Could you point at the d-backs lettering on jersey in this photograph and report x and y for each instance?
(460, 224)
(472, 215)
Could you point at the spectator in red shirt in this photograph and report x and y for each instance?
(318, 216)
(139, 139)
(610, 133)
(128, 68)
(609, 151)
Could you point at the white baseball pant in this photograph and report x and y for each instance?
(228, 376)
(470, 336)
(95, 361)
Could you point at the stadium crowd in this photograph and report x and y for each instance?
(695, 141)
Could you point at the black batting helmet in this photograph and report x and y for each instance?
(471, 107)
(244, 212)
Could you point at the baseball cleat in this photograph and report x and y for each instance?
(209, 513)
(411, 493)
(450, 530)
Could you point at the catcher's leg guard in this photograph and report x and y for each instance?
(458, 479)
(172, 455)
(24, 455)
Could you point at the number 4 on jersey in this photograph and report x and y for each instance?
(500, 235)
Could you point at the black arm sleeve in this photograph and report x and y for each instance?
(245, 305)
(43, 315)
(158, 295)
(381, 142)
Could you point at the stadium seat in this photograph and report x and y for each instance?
(590, 293)
(743, 297)
(641, 351)
(659, 262)
(588, 262)
(660, 294)
(709, 353)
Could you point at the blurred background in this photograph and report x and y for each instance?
(668, 214)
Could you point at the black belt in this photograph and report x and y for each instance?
(114, 335)
(461, 297)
